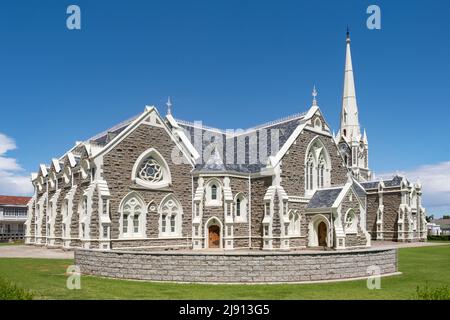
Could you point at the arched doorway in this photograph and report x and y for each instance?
(214, 236)
(319, 231)
(322, 234)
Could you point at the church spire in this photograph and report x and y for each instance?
(349, 114)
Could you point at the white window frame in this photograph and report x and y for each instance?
(170, 211)
(132, 205)
(166, 176)
(209, 202)
(243, 208)
(294, 227)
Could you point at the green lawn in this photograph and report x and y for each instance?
(46, 278)
(11, 243)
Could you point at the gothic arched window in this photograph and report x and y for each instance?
(170, 217)
(132, 217)
(240, 208)
(317, 166)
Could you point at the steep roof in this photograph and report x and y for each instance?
(14, 201)
(224, 139)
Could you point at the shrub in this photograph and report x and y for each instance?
(439, 293)
(439, 238)
(9, 291)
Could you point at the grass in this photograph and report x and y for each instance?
(16, 243)
(424, 267)
(9, 291)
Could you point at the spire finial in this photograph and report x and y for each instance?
(169, 106)
(314, 94)
(348, 34)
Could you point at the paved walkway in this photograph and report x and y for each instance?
(22, 251)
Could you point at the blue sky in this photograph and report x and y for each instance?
(232, 64)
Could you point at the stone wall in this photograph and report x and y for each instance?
(236, 267)
(293, 165)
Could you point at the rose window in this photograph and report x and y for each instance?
(150, 170)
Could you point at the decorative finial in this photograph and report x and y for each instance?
(314, 94)
(169, 106)
(348, 34)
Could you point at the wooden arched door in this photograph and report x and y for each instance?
(214, 236)
(322, 234)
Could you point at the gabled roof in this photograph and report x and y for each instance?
(286, 127)
(14, 201)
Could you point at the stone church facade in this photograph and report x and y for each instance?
(156, 182)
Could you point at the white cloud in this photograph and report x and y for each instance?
(13, 181)
(435, 179)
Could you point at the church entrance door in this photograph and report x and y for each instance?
(214, 236)
(322, 234)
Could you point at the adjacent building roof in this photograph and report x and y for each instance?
(443, 223)
(14, 201)
(394, 182)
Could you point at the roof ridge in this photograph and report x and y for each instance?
(267, 124)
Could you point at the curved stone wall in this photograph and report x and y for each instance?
(236, 267)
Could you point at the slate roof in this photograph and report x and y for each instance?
(394, 182)
(221, 138)
(286, 127)
(370, 185)
(324, 198)
(359, 191)
(14, 201)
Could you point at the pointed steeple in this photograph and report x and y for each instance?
(365, 138)
(349, 114)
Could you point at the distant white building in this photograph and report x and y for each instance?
(439, 227)
(13, 214)
(433, 229)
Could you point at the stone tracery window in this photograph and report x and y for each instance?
(151, 170)
(317, 167)
(133, 217)
(170, 217)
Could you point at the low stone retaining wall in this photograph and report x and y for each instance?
(236, 267)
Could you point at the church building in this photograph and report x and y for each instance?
(156, 182)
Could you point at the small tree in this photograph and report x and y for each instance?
(430, 218)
